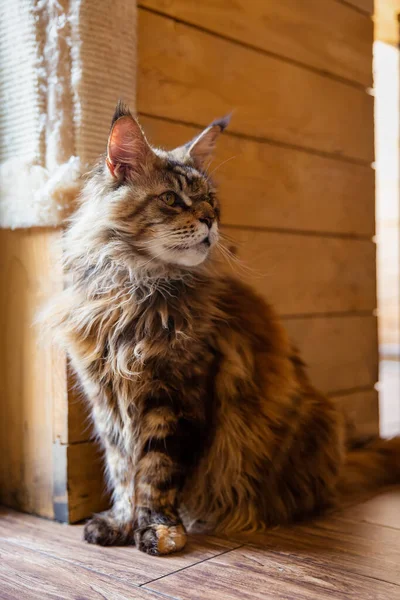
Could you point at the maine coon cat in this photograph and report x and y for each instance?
(202, 404)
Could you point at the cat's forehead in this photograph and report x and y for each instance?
(179, 160)
(186, 175)
(177, 166)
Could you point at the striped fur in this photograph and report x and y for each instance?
(202, 404)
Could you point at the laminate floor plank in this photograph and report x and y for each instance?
(30, 575)
(251, 573)
(125, 563)
(350, 555)
(351, 547)
(383, 509)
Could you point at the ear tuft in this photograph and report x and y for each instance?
(202, 147)
(223, 122)
(121, 110)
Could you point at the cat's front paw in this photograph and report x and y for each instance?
(105, 530)
(157, 539)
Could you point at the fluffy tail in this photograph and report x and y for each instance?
(366, 468)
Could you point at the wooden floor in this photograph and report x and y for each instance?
(353, 555)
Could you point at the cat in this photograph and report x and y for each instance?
(202, 404)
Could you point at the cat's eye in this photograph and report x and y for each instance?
(170, 198)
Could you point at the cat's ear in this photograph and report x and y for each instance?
(202, 147)
(127, 148)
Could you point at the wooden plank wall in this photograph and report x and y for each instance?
(32, 372)
(294, 170)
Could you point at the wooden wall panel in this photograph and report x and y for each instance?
(86, 484)
(365, 6)
(74, 422)
(264, 185)
(31, 375)
(191, 76)
(79, 419)
(323, 35)
(341, 351)
(60, 405)
(302, 274)
(361, 410)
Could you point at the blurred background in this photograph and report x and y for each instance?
(309, 182)
(387, 106)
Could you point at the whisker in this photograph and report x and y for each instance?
(229, 238)
(208, 166)
(220, 165)
(232, 259)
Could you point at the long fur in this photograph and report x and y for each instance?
(201, 402)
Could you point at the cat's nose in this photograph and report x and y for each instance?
(207, 220)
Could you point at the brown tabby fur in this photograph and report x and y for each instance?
(202, 404)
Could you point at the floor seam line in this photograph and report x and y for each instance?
(192, 565)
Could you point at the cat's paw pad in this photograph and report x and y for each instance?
(105, 531)
(159, 539)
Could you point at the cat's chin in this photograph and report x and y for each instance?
(190, 257)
